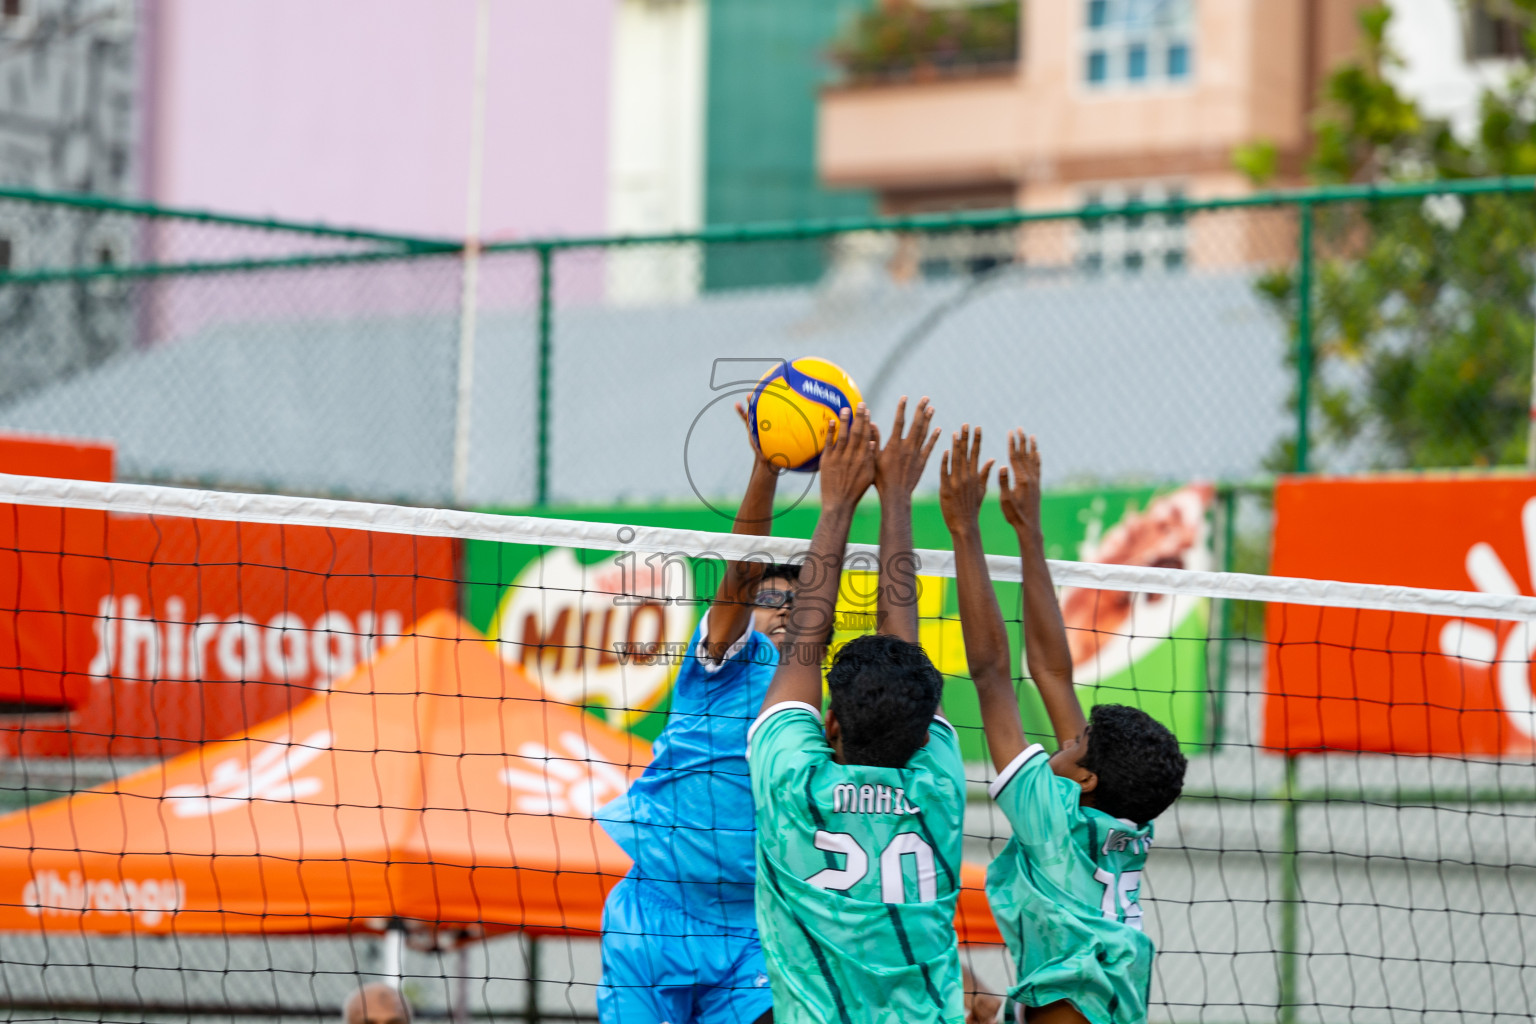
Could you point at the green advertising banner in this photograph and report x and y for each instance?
(567, 616)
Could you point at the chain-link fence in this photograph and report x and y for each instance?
(1147, 342)
(225, 349)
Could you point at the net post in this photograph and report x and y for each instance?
(1290, 894)
(1228, 504)
(546, 311)
(531, 1013)
(1304, 337)
(394, 954)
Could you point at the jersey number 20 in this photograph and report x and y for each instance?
(893, 887)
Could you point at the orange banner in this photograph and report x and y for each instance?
(32, 573)
(1391, 682)
(146, 635)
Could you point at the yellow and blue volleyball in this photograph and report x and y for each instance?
(793, 406)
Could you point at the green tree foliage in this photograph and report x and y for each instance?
(1422, 309)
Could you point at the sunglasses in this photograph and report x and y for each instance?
(774, 598)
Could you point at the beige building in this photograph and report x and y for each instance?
(1107, 101)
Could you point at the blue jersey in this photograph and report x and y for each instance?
(687, 823)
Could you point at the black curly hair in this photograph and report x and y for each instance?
(781, 571)
(1137, 760)
(885, 693)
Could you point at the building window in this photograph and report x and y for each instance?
(5, 255)
(1133, 241)
(1098, 66)
(1139, 41)
(1496, 31)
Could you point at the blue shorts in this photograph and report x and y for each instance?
(663, 966)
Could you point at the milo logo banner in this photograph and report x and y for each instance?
(572, 620)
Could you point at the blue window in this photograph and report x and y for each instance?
(1098, 66)
(1178, 61)
(1138, 41)
(1136, 62)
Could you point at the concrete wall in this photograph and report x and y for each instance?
(68, 122)
(656, 147)
(358, 112)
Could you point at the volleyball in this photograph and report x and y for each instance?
(792, 407)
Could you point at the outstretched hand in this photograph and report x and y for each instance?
(1021, 489)
(762, 462)
(848, 461)
(962, 485)
(901, 462)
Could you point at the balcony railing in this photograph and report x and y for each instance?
(903, 41)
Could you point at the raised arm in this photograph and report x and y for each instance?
(1046, 653)
(847, 470)
(731, 611)
(962, 486)
(897, 471)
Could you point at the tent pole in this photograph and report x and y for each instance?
(394, 954)
(531, 1006)
(461, 984)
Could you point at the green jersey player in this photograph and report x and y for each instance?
(859, 818)
(1064, 890)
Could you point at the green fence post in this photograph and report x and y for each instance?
(1290, 893)
(1290, 883)
(1228, 497)
(1304, 340)
(546, 312)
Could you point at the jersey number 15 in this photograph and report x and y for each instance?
(1119, 889)
(893, 887)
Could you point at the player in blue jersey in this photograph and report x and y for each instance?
(679, 931)
(1064, 889)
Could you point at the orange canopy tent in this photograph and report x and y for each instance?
(435, 786)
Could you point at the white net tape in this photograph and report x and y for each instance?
(143, 499)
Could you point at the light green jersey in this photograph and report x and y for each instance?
(1064, 894)
(858, 871)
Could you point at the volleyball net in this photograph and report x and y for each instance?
(260, 749)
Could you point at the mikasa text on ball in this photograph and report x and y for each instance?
(793, 406)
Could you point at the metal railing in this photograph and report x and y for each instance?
(548, 306)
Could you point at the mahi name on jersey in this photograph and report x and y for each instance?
(867, 799)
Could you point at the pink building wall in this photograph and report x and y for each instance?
(357, 112)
